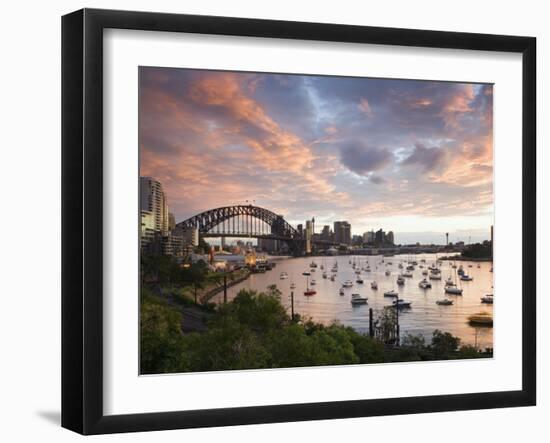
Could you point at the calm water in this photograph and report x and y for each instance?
(423, 317)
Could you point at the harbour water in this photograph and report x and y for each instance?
(424, 316)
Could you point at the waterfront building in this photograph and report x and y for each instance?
(380, 237)
(369, 237)
(342, 232)
(325, 233)
(153, 199)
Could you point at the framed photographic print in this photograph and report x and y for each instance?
(269, 221)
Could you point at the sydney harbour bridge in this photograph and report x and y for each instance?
(252, 222)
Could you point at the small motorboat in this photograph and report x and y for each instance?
(356, 299)
(401, 304)
(313, 282)
(313, 264)
(359, 280)
(388, 272)
(391, 293)
(425, 272)
(306, 273)
(332, 277)
(424, 284)
(341, 292)
(481, 319)
(466, 277)
(374, 285)
(444, 302)
(407, 274)
(310, 292)
(400, 280)
(312, 270)
(347, 284)
(487, 299)
(324, 275)
(293, 286)
(435, 276)
(283, 275)
(453, 290)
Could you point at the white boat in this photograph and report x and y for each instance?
(424, 284)
(400, 280)
(306, 273)
(410, 268)
(293, 286)
(425, 272)
(283, 275)
(356, 299)
(444, 302)
(391, 293)
(359, 280)
(487, 299)
(453, 290)
(341, 292)
(435, 276)
(407, 274)
(313, 282)
(358, 271)
(374, 285)
(466, 277)
(347, 284)
(313, 264)
(449, 282)
(401, 304)
(332, 277)
(460, 270)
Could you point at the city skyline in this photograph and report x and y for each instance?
(413, 157)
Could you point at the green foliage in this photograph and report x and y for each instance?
(478, 250)
(469, 351)
(255, 331)
(160, 337)
(444, 345)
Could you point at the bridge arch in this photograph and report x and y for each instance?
(206, 221)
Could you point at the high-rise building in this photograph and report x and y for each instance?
(380, 237)
(389, 238)
(325, 233)
(368, 237)
(153, 199)
(309, 236)
(342, 232)
(171, 221)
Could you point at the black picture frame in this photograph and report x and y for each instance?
(82, 217)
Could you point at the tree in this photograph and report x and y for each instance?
(160, 339)
(444, 344)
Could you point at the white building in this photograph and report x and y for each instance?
(153, 200)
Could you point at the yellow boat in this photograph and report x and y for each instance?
(481, 319)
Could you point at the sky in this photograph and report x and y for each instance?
(414, 157)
